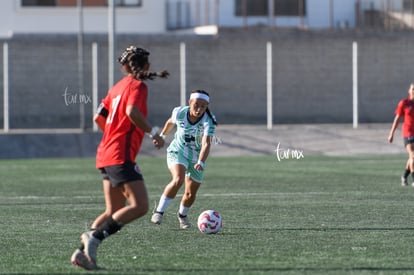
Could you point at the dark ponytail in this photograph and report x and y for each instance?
(136, 60)
(213, 117)
(144, 75)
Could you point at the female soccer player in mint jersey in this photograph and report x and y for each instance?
(187, 154)
(122, 118)
(405, 109)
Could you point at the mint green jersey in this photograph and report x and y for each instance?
(188, 137)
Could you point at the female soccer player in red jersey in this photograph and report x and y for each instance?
(122, 118)
(405, 109)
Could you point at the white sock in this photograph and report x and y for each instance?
(164, 203)
(183, 211)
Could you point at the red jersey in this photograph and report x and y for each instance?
(405, 109)
(121, 139)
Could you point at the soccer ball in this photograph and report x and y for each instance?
(209, 222)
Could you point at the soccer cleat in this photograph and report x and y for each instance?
(79, 259)
(157, 217)
(184, 222)
(91, 246)
(404, 181)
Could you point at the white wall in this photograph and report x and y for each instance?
(317, 15)
(150, 18)
(6, 18)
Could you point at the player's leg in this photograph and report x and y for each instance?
(114, 200)
(136, 194)
(177, 180)
(191, 188)
(85, 256)
(170, 192)
(407, 171)
(410, 162)
(193, 181)
(125, 183)
(178, 166)
(104, 225)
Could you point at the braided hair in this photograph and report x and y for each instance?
(135, 60)
(213, 117)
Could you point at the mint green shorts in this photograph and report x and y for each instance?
(174, 158)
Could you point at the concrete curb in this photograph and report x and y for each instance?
(236, 140)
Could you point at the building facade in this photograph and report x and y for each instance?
(64, 17)
(162, 16)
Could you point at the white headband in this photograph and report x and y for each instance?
(200, 96)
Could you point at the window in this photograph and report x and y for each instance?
(260, 7)
(289, 7)
(408, 5)
(73, 3)
(129, 3)
(28, 3)
(251, 7)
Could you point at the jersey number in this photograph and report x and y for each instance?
(115, 103)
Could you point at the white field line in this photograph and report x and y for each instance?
(198, 195)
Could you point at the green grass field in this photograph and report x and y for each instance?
(315, 215)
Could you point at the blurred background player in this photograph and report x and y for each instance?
(405, 110)
(122, 118)
(187, 154)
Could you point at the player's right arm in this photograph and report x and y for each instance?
(171, 122)
(168, 127)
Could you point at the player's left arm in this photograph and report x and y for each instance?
(100, 121)
(139, 120)
(100, 116)
(205, 151)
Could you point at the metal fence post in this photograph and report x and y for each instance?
(6, 111)
(269, 86)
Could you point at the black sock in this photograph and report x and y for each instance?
(406, 173)
(106, 229)
(182, 216)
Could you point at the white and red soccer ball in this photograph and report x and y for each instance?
(209, 222)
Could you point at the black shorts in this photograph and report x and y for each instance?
(408, 140)
(122, 173)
